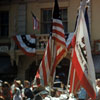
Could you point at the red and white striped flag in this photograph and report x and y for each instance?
(54, 52)
(82, 64)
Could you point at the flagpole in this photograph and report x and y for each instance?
(52, 59)
(69, 78)
(73, 81)
(72, 52)
(53, 48)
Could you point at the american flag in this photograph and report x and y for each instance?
(50, 61)
(55, 49)
(35, 22)
(58, 29)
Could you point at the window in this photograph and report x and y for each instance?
(4, 23)
(47, 20)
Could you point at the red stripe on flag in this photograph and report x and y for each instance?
(58, 25)
(74, 81)
(44, 71)
(58, 33)
(59, 41)
(51, 51)
(58, 59)
(49, 55)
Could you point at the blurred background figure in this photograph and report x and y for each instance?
(7, 94)
(1, 87)
(2, 98)
(44, 94)
(13, 86)
(82, 95)
(17, 94)
(37, 92)
(98, 89)
(28, 94)
(26, 85)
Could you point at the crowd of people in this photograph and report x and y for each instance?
(30, 91)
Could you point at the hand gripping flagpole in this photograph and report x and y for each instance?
(68, 78)
(53, 55)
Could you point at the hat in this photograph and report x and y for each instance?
(26, 82)
(34, 86)
(44, 92)
(57, 84)
(2, 98)
(38, 89)
(6, 84)
(18, 82)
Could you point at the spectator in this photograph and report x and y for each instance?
(2, 98)
(98, 89)
(26, 85)
(44, 94)
(17, 95)
(28, 94)
(13, 86)
(18, 84)
(1, 88)
(7, 94)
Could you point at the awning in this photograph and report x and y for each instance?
(96, 60)
(5, 65)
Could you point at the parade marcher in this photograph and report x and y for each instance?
(36, 92)
(44, 94)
